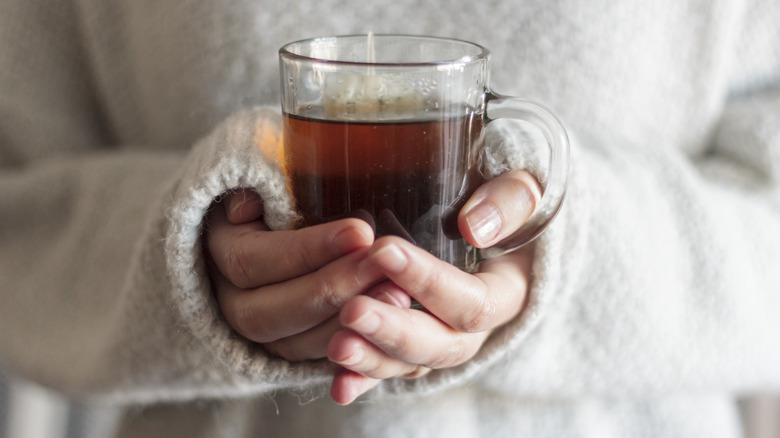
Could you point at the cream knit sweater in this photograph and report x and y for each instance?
(656, 292)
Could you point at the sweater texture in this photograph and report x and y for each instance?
(655, 292)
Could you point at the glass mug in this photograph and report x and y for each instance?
(389, 128)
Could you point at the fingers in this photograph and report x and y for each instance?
(348, 385)
(312, 343)
(249, 256)
(293, 306)
(498, 208)
(386, 341)
(381, 341)
(309, 344)
(465, 302)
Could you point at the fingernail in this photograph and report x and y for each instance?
(367, 323)
(235, 203)
(391, 258)
(389, 293)
(351, 239)
(398, 299)
(485, 222)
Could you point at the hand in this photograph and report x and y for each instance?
(284, 289)
(384, 339)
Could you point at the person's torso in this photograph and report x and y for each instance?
(167, 71)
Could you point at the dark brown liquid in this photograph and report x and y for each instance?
(404, 177)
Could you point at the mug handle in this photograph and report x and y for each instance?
(506, 107)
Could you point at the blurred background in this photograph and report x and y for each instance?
(30, 411)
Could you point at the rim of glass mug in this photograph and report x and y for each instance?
(472, 53)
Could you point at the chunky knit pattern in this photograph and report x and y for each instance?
(654, 295)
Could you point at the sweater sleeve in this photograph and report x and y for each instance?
(656, 275)
(660, 273)
(673, 284)
(102, 286)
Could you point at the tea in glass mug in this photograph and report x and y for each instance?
(389, 128)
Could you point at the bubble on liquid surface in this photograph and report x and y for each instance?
(372, 97)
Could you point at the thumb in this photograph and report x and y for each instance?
(498, 208)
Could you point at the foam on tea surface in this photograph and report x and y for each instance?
(373, 97)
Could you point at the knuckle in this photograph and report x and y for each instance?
(397, 344)
(301, 253)
(375, 369)
(308, 257)
(236, 267)
(423, 284)
(397, 340)
(454, 355)
(251, 326)
(480, 317)
(327, 296)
